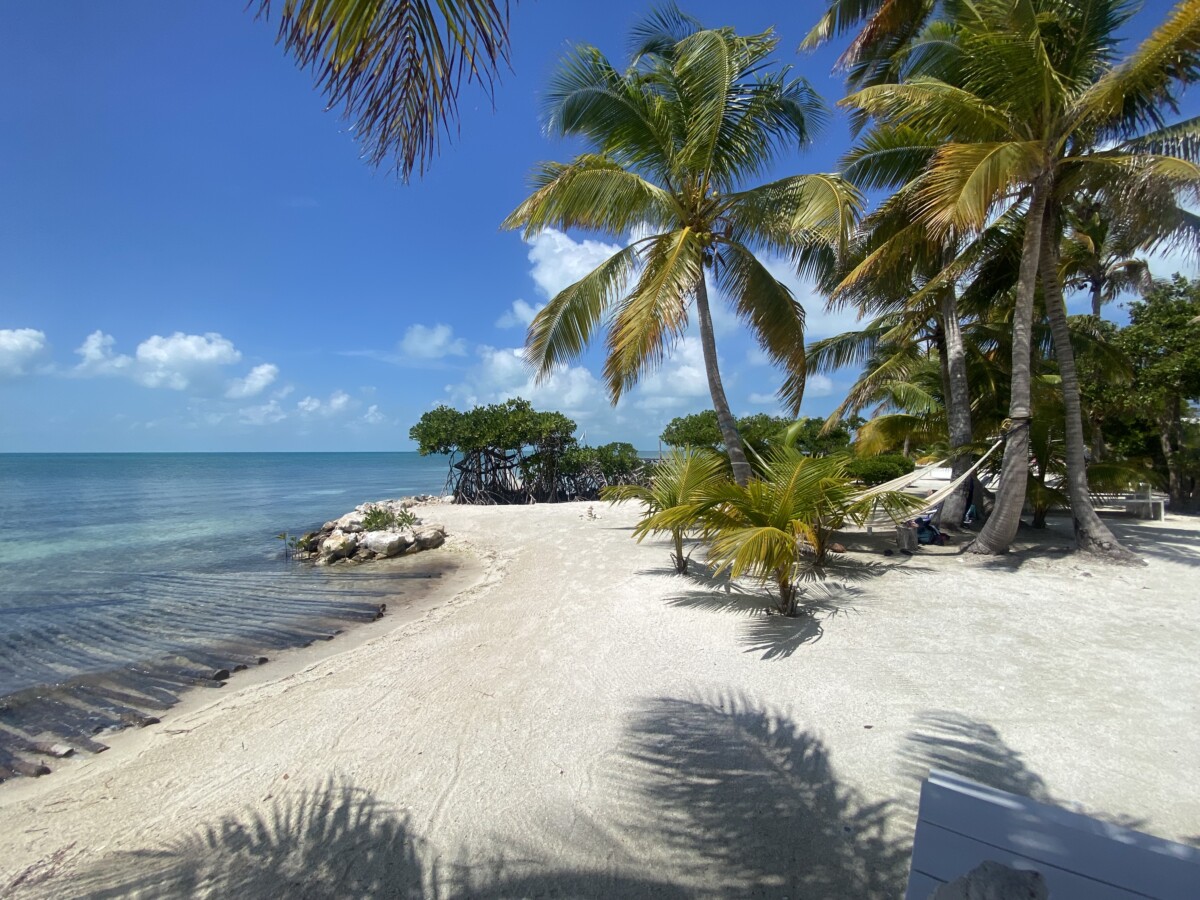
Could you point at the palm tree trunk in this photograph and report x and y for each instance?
(1091, 534)
(958, 405)
(729, 432)
(1097, 296)
(1168, 436)
(1001, 527)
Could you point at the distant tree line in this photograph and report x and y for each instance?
(509, 452)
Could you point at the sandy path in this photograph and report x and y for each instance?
(586, 724)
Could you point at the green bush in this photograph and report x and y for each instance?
(873, 470)
(379, 518)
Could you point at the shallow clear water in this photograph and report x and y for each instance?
(110, 559)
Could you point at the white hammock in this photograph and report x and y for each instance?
(899, 484)
(933, 501)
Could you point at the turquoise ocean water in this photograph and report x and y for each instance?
(108, 560)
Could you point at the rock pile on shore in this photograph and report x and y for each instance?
(379, 530)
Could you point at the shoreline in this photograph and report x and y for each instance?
(152, 695)
(600, 727)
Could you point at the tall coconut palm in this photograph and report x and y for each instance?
(673, 140)
(395, 66)
(1030, 114)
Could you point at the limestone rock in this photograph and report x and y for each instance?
(386, 543)
(429, 537)
(350, 523)
(338, 545)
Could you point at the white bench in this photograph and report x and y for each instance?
(1143, 508)
(961, 824)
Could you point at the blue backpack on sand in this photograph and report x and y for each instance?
(927, 532)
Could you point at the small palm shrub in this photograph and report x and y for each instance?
(779, 526)
(680, 486)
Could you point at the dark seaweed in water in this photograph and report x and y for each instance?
(127, 578)
(126, 680)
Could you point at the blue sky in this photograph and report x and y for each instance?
(193, 257)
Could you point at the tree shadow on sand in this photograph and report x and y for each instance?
(746, 803)
(724, 797)
(334, 842)
(973, 749)
(337, 841)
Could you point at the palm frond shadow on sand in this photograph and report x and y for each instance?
(973, 749)
(721, 797)
(744, 800)
(772, 635)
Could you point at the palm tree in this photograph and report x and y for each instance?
(778, 527)
(396, 66)
(1097, 256)
(682, 479)
(673, 139)
(1028, 98)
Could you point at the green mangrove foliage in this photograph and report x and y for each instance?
(807, 435)
(511, 453)
(873, 470)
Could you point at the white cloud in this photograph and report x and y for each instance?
(19, 347)
(255, 382)
(520, 313)
(559, 261)
(502, 373)
(179, 362)
(818, 386)
(265, 414)
(763, 399)
(373, 416)
(97, 357)
(677, 383)
(338, 402)
(423, 342)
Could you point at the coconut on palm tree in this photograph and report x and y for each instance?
(675, 141)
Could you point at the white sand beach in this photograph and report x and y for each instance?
(582, 723)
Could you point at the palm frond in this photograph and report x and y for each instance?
(654, 313)
(396, 66)
(561, 331)
(592, 192)
(773, 314)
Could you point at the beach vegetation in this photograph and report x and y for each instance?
(381, 518)
(511, 453)
(873, 470)
(673, 143)
(1010, 113)
(1153, 416)
(680, 489)
(778, 528)
(808, 435)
